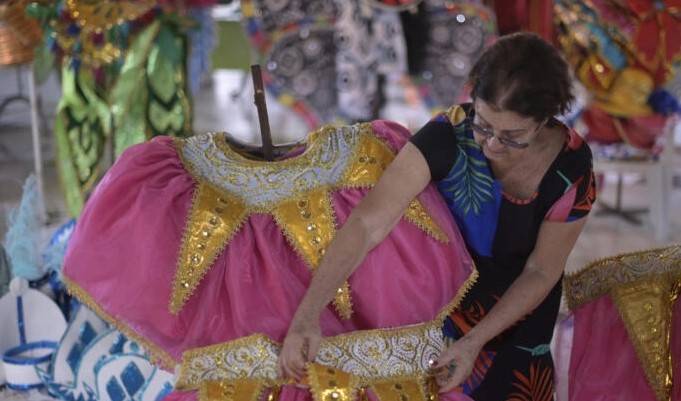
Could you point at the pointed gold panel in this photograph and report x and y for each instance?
(365, 169)
(237, 390)
(328, 384)
(646, 309)
(400, 390)
(343, 301)
(417, 215)
(369, 159)
(308, 222)
(213, 220)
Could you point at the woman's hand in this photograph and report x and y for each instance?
(456, 363)
(300, 347)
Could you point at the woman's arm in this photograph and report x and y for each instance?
(368, 224)
(541, 273)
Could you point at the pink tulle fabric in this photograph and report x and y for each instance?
(603, 363)
(124, 251)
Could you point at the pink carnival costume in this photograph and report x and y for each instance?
(202, 255)
(626, 341)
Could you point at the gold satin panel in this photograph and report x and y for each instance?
(240, 390)
(328, 384)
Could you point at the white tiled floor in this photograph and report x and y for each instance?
(217, 110)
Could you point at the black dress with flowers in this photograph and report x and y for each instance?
(500, 234)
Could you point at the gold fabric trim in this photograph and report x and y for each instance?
(600, 277)
(328, 384)
(368, 161)
(213, 220)
(401, 390)
(372, 355)
(417, 215)
(158, 355)
(239, 390)
(646, 309)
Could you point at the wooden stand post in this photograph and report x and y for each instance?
(267, 148)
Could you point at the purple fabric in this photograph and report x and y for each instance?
(124, 250)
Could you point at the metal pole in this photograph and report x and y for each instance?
(37, 152)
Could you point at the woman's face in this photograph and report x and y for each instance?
(502, 134)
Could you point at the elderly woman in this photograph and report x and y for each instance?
(519, 185)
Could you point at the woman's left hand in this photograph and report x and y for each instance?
(455, 363)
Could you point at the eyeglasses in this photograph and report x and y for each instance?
(489, 133)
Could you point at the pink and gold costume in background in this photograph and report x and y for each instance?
(626, 323)
(203, 255)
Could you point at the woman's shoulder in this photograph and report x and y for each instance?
(576, 158)
(571, 190)
(458, 114)
(438, 139)
(571, 171)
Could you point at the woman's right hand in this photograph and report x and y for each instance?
(370, 221)
(300, 347)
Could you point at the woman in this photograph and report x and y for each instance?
(519, 184)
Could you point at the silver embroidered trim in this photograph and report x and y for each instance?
(601, 276)
(260, 184)
(372, 356)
